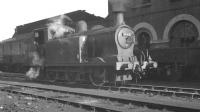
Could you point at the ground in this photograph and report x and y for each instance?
(18, 103)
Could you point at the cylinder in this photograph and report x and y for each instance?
(81, 26)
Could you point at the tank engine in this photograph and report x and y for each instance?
(103, 54)
(99, 55)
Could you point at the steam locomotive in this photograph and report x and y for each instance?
(99, 55)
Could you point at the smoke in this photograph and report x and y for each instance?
(34, 72)
(58, 27)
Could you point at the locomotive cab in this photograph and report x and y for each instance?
(37, 54)
(40, 36)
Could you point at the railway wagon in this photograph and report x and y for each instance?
(15, 53)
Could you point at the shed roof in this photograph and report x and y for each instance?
(75, 16)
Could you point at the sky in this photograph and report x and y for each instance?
(19, 12)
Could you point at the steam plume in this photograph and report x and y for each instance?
(34, 72)
(58, 27)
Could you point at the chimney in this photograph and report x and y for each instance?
(118, 9)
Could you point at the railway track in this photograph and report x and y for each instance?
(191, 93)
(81, 101)
(98, 100)
(181, 92)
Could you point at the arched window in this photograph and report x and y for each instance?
(183, 34)
(143, 38)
